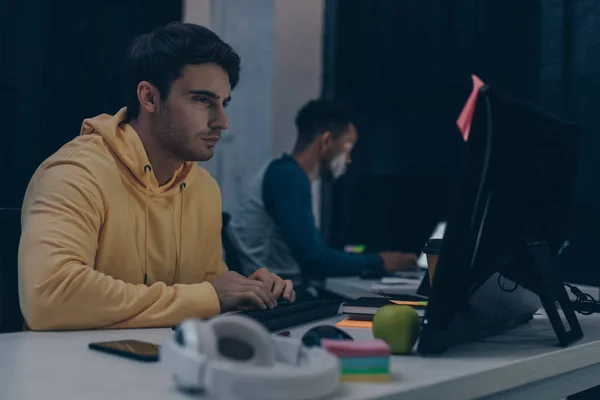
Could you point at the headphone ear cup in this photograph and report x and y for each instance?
(241, 339)
(188, 335)
(184, 356)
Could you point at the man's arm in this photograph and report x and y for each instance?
(287, 197)
(63, 213)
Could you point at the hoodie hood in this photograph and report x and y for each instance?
(129, 149)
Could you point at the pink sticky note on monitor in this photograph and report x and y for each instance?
(466, 115)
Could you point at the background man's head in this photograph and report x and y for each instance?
(179, 78)
(326, 127)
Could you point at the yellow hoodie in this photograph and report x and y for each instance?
(103, 245)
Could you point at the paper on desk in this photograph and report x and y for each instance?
(390, 280)
(466, 115)
(411, 303)
(402, 288)
(405, 275)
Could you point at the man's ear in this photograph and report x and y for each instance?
(326, 139)
(148, 96)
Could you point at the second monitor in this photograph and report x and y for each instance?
(507, 226)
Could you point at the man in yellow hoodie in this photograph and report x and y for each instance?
(121, 227)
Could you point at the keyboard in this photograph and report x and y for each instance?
(287, 315)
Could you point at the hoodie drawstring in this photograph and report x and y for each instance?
(179, 254)
(147, 170)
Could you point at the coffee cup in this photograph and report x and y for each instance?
(432, 251)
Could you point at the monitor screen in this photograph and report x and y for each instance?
(515, 186)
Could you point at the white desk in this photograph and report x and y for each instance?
(523, 364)
(526, 363)
(58, 365)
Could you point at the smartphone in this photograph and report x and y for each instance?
(135, 349)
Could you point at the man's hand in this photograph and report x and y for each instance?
(280, 288)
(235, 290)
(395, 261)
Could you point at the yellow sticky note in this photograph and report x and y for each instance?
(350, 323)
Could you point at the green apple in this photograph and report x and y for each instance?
(398, 326)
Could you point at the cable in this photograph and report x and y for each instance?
(502, 262)
(584, 303)
(501, 286)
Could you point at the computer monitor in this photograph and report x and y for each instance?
(508, 225)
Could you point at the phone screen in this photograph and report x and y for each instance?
(129, 348)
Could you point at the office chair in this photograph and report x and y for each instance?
(11, 319)
(232, 256)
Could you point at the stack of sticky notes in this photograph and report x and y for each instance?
(361, 360)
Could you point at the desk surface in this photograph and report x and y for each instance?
(525, 362)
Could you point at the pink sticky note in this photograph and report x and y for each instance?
(466, 115)
(356, 348)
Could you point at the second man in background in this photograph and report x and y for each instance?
(274, 223)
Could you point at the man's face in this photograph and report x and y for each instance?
(336, 155)
(191, 119)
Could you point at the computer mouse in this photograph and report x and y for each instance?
(313, 337)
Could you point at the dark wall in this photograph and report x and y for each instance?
(406, 67)
(61, 63)
(569, 83)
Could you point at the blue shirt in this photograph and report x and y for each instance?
(287, 198)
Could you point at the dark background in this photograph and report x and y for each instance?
(60, 62)
(405, 66)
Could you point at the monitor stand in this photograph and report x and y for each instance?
(551, 291)
(532, 282)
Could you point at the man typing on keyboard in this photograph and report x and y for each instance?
(121, 228)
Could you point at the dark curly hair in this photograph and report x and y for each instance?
(319, 116)
(159, 57)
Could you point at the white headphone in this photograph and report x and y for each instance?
(234, 357)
